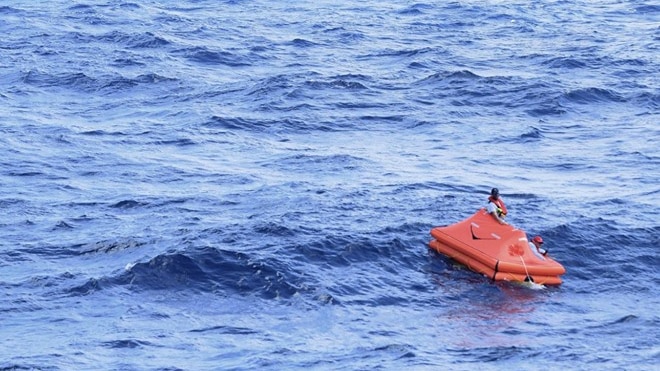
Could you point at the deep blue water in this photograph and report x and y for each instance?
(206, 185)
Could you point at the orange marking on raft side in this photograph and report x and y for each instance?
(497, 251)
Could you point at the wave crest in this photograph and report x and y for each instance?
(213, 271)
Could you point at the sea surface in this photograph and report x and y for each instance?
(250, 185)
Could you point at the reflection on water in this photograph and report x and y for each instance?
(478, 313)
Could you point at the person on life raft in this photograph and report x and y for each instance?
(537, 242)
(496, 206)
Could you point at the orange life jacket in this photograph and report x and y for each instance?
(501, 207)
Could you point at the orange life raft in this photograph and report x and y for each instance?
(501, 252)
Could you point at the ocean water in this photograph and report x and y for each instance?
(236, 185)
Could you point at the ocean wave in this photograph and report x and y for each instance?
(273, 126)
(416, 9)
(128, 343)
(565, 62)
(146, 40)
(302, 43)
(214, 271)
(451, 76)
(648, 100)
(534, 134)
(593, 95)
(128, 204)
(341, 83)
(648, 9)
(592, 248)
(109, 246)
(81, 82)
(274, 84)
(207, 56)
(9, 10)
